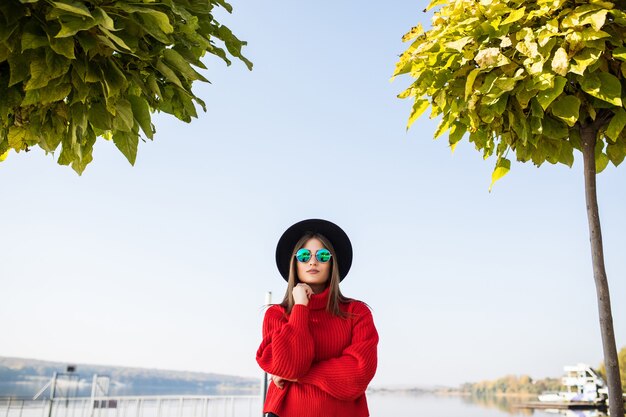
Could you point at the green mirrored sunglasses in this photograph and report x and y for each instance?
(322, 255)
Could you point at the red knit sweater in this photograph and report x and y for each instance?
(333, 359)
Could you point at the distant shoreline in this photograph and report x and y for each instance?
(448, 392)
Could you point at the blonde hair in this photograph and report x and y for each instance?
(335, 297)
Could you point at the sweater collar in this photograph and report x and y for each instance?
(319, 301)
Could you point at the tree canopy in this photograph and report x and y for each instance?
(522, 76)
(73, 71)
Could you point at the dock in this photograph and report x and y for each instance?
(563, 405)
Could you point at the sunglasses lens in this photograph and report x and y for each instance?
(303, 255)
(323, 255)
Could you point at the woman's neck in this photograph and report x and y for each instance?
(317, 288)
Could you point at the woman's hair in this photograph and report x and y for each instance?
(335, 297)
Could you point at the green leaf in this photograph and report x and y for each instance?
(161, 20)
(72, 7)
(168, 73)
(123, 119)
(601, 162)
(503, 166)
(79, 114)
(72, 26)
(156, 23)
(536, 126)
(33, 41)
(16, 137)
(554, 129)
(99, 117)
(103, 19)
(114, 78)
(153, 85)
(18, 68)
(175, 60)
(604, 86)
(546, 97)
(127, 143)
(47, 95)
(119, 41)
(616, 153)
(233, 45)
(566, 154)
(618, 121)
(44, 69)
(457, 130)
(40, 76)
(63, 46)
(225, 5)
(141, 112)
(566, 108)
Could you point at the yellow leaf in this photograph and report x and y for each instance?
(503, 166)
(413, 33)
(490, 57)
(435, 3)
(458, 45)
(418, 108)
(596, 20)
(469, 84)
(560, 62)
(514, 16)
(4, 156)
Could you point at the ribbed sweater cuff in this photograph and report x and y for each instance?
(299, 316)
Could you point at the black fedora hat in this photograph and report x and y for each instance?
(334, 233)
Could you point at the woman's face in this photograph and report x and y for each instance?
(313, 272)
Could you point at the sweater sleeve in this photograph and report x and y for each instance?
(287, 347)
(346, 377)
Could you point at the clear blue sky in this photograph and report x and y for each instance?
(166, 264)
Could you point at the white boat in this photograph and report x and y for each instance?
(582, 384)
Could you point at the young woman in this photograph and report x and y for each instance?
(319, 346)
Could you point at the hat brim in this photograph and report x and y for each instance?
(336, 235)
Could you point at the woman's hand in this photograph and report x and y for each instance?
(280, 382)
(301, 294)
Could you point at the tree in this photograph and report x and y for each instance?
(72, 71)
(539, 79)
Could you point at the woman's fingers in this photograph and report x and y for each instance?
(301, 294)
(278, 381)
(307, 289)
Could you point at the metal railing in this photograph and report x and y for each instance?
(135, 406)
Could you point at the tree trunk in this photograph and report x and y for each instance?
(589, 134)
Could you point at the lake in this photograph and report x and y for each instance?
(395, 405)
(380, 404)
